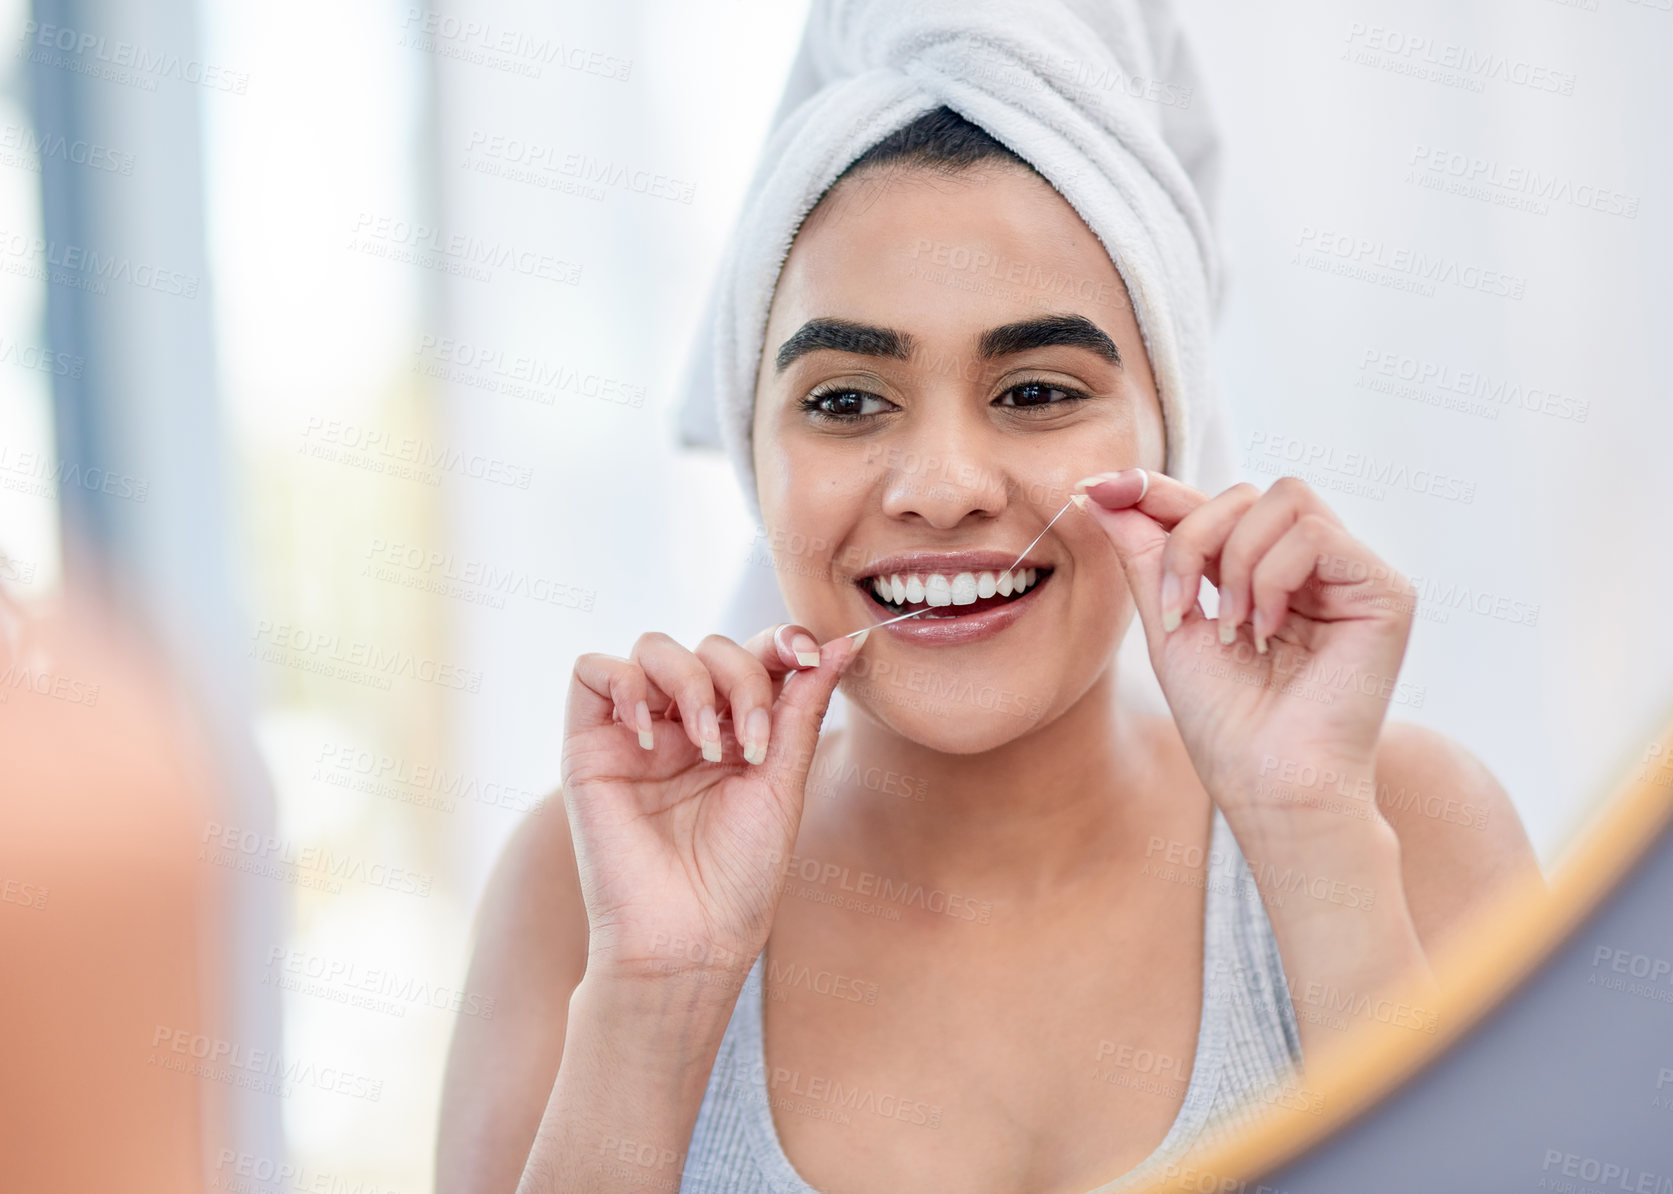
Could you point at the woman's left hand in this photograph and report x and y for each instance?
(1288, 688)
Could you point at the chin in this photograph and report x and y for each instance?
(956, 717)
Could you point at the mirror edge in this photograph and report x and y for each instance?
(1485, 964)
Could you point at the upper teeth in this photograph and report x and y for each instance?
(964, 588)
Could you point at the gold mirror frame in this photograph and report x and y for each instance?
(1479, 970)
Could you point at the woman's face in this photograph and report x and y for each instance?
(945, 357)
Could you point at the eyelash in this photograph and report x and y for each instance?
(811, 404)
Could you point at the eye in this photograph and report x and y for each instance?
(1038, 393)
(841, 403)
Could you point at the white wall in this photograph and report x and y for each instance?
(1567, 515)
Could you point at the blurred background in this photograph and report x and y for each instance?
(341, 344)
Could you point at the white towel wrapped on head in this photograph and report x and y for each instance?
(1099, 96)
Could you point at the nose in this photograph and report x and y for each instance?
(945, 473)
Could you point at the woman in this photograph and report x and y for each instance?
(1047, 951)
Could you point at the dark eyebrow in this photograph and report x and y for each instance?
(844, 336)
(1076, 331)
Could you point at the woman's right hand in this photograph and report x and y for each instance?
(683, 778)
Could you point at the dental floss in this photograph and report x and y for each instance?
(1014, 563)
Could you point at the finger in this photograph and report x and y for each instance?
(784, 648)
(680, 674)
(1287, 566)
(1194, 550)
(800, 712)
(1348, 581)
(742, 683)
(1151, 493)
(1139, 543)
(605, 689)
(1267, 521)
(1136, 508)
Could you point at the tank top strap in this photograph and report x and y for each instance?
(1263, 1049)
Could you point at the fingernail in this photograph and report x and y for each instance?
(1228, 632)
(708, 729)
(1260, 632)
(1260, 643)
(860, 639)
(1118, 491)
(1170, 602)
(1080, 499)
(807, 651)
(759, 729)
(642, 718)
(1127, 474)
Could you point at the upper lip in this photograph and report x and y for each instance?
(946, 563)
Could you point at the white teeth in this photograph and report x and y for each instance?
(966, 588)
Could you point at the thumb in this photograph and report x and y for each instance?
(1138, 540)
(800, 711)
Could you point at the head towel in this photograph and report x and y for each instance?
(1099, 96)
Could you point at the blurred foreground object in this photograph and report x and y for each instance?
(113, 1078)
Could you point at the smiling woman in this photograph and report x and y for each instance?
(1088, 947)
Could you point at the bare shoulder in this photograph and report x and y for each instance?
(1460, 837)
(529, 954)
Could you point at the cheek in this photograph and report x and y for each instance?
(804, 489)
(772, 469)
(1149, 434)
(806, 507)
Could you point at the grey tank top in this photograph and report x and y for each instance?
(1248, 1051)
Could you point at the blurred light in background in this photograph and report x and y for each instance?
(29, 563)
(450, 315)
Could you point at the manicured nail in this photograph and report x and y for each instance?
(807, 651)
(760, 727)
(860, 639)
(1260, 632)
(1170, 602)
(1080, 500)
(1127, 475)
(708, 729)
(1260, 643)
(1228, 632)
(642, 718)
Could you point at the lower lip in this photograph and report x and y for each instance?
(969, 628)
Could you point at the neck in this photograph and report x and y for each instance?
(1045, 811)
